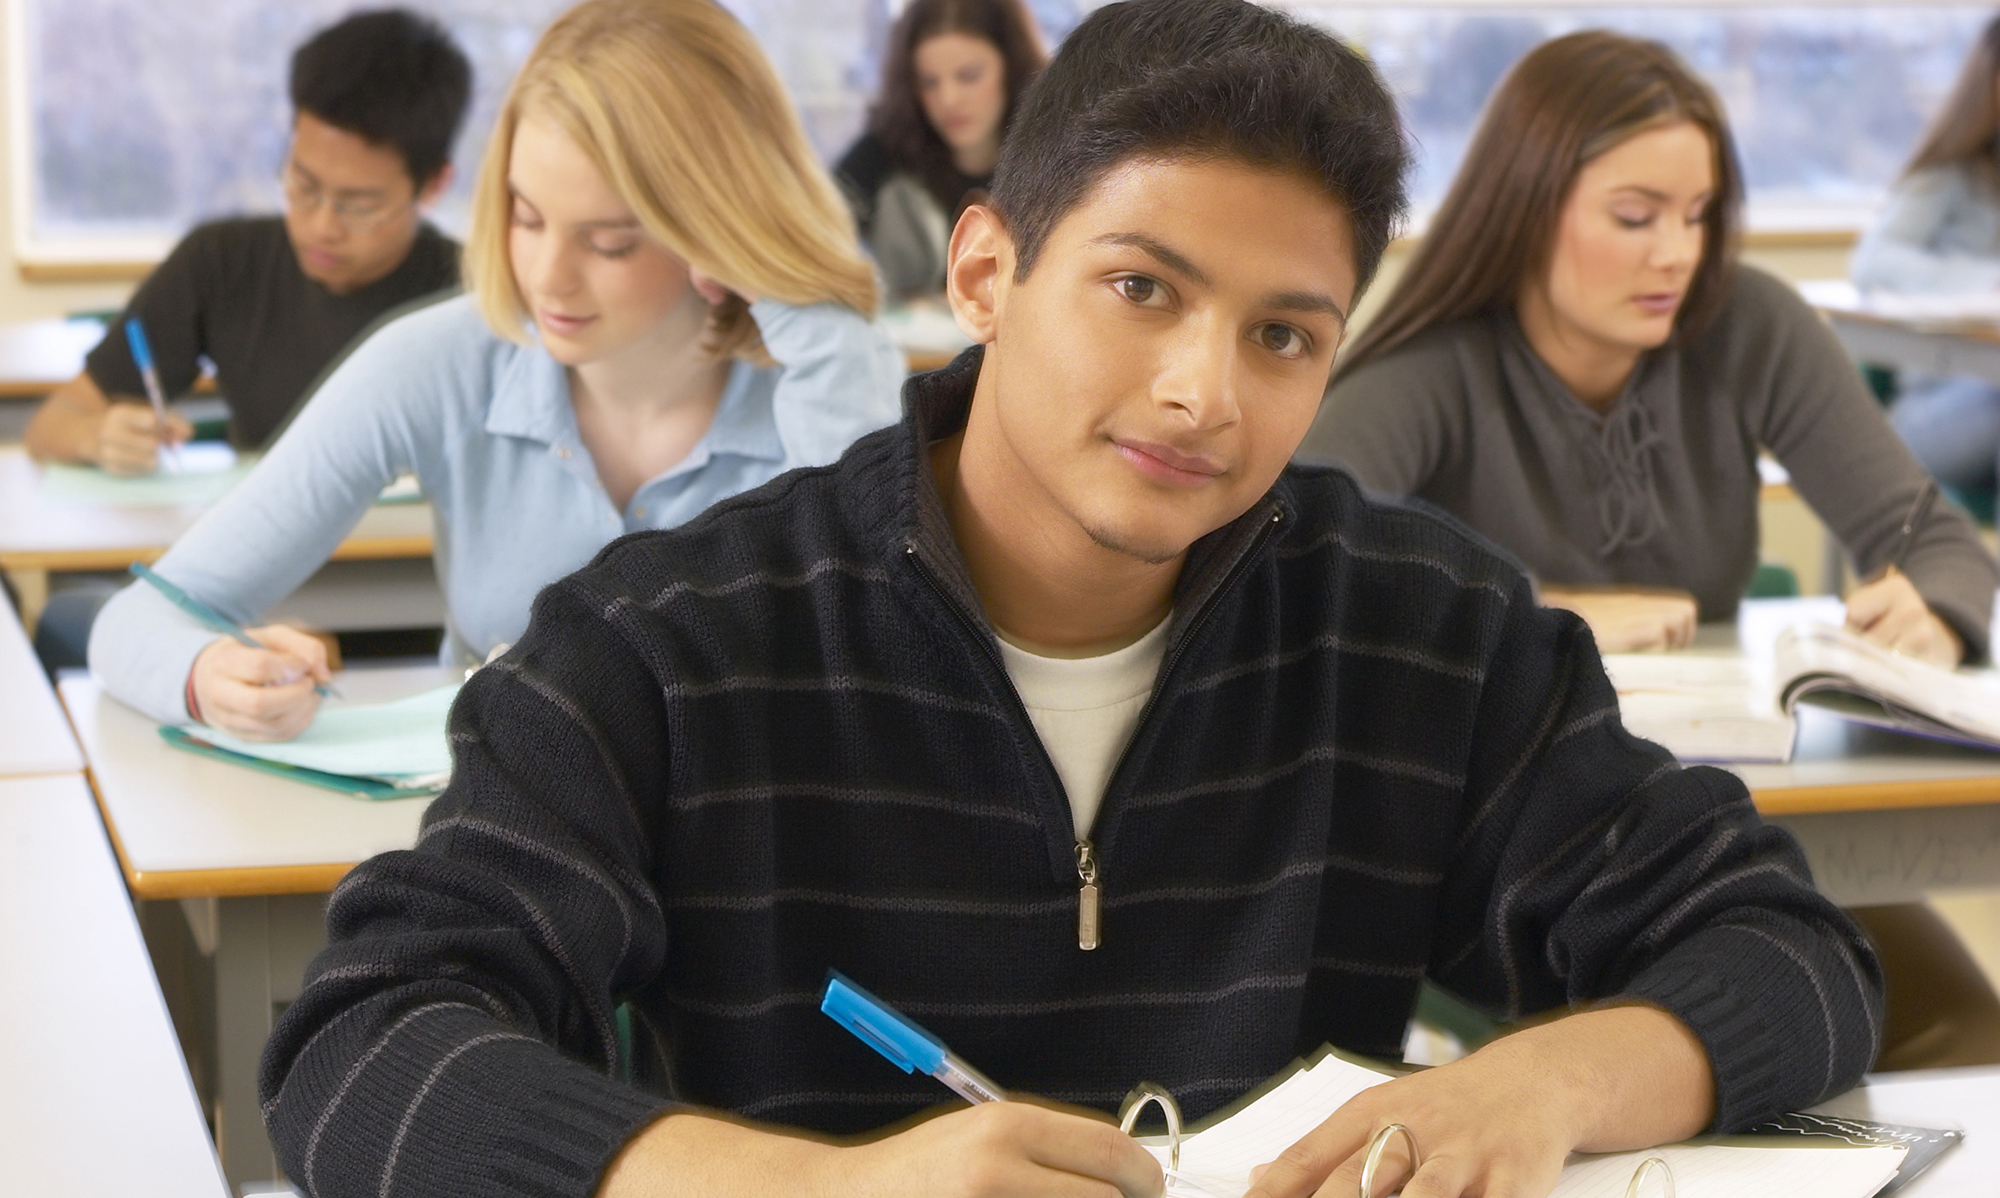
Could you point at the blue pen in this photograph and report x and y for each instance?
(907, 1046)
(211, 619)
(142, 356)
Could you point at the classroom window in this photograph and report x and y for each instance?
(131, 120)
(1826, 102)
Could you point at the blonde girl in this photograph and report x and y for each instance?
(665, 306)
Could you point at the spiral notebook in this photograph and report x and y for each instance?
(1216, 1160)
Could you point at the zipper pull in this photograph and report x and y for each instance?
(1087, 933)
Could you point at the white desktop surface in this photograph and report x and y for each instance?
(1965, 1099)
(94, 1096)
(173, 810)
(34, 736)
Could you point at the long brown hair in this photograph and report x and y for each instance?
(898, 120)
(676, 106)
(1964, 130)
(1568, 101)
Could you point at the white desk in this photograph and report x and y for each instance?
(94, 1096)
(1945, 335)
(38, 538)
(1964, 1099)
(34, 736)
(252, 856)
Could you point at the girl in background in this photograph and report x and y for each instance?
(1939, 234)
(1575, 364)
(665, 306)
(950, 79)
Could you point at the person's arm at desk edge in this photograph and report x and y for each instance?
(79, 423)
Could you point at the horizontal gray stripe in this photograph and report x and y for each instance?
(1383, 871)
(1306, 870)
(995, 1010)
(1373, 969)
(908, 905)
(1394, 557)
(1319, 755)
(858, 795)
(744, 582)
(834, 684)
(1333, 642)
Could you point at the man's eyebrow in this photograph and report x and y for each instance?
(1160, 251)
(1305, 301)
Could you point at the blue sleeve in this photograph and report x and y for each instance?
(357, 433)
(841, 378)
(1900, 253)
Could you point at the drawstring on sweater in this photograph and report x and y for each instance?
(1628, 506)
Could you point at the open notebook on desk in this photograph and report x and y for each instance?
(373, 750)
(1218, 1159)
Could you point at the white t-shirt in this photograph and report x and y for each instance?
(1085, 709)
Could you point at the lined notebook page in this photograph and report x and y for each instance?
(1216, 1162)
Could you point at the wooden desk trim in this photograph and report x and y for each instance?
(57, 561)
(1878, 796)
(214, 883)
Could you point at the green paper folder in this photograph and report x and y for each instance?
(359, 788)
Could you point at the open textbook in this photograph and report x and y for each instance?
(1736, 708)
(1796, 1155)
(1833, 668)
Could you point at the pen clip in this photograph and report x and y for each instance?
(876, 1024)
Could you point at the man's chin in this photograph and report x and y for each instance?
(1152, 548)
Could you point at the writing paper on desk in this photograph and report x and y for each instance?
(1701, 708)
(402, 742)
(1218, 1159)
(204, 472)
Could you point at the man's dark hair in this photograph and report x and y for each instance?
(1203, 78)
(390, 77)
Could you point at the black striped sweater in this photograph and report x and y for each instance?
(779, 739)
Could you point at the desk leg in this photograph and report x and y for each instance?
(262, 946)
(31, 587)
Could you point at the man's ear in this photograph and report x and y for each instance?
(428, 194)
(980, 259)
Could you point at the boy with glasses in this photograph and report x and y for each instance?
(271, 301)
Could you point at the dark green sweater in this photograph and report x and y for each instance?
(780, 739)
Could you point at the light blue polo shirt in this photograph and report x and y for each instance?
(487, 427)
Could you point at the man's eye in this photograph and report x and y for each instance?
(1282, 340)
(1138, 288)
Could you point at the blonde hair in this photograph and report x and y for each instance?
(676, 106)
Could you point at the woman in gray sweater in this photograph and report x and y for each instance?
(1575, 364)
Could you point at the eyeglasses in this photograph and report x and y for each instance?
(357, 213)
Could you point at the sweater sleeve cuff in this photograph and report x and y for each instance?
(1782, 1029)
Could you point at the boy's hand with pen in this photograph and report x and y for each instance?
(130, 436)
(266, 693)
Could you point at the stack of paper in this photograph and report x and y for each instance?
(1701, 708)
(1217, 1161)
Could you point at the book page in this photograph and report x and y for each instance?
(1216, 1162)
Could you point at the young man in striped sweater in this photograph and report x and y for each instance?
(1076, 724)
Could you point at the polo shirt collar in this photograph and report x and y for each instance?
(531, 399)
